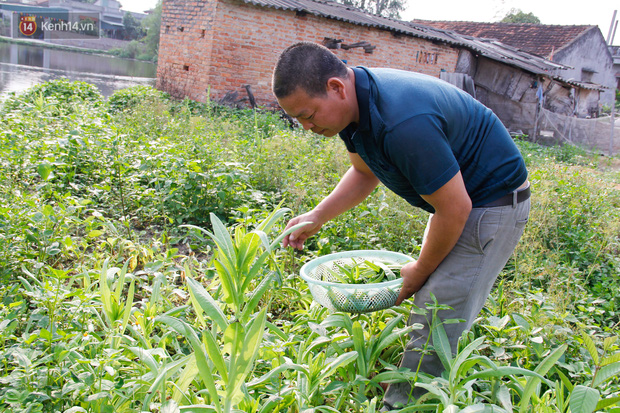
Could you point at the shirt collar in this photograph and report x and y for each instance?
(362, 90)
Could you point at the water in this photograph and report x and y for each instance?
(23, 66)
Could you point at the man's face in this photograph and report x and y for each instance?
(325, 115)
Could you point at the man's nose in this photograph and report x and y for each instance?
(306, 124)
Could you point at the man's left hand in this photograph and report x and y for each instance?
(413, 280)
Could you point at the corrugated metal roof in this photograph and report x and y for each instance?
(489, 48)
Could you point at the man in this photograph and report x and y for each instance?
(433, 145)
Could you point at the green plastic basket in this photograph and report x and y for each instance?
(352, 298)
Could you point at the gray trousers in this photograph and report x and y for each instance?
(463, 282)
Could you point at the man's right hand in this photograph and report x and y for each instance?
(297, 238)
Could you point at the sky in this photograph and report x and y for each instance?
(549, 12)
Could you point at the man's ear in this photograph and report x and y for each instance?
(336, 85)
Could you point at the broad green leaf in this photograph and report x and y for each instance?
(608, 402)
(276, 330)
(198, 408)
(541, 369)
(389, 377)
(272, 218)
(503, 371)
(228, 284)
(442, 345)
(503, 396)
(204, 370)
(164, 373)
(76, 409)
(339, 320)
(462, 356)
(120, 283)
(359, 344)
(190, 371)
(128, 305)
(145, 357)
(246, 252)
(262, 236)
(206, 303)
(45, 170)
(105, 293)
(276, 372)
(272, 403)
(223, 239)
(591, 347)
(389, 327)
(564, 379)
(606, 373)
(445, 400)
(340, 361)
(213, 351)
(611, 359)
(242, 361)
(255, 297)
(95, 233)
(608, 342)
(257, 267)
(583, 399)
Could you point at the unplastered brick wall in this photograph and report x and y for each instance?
(185, 47)
(228, 44)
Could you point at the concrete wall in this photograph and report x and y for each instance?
(222, 45)
(589, 52)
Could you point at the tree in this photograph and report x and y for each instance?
(384, 8)
(152, 25)
(518, 16)
(131, 26)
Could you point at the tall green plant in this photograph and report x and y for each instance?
(237, 328)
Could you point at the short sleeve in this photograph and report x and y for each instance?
(346, 135)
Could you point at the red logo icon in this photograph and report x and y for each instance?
(27, 25)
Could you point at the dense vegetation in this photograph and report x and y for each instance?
(141, 271)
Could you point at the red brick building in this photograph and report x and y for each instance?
(219, 46)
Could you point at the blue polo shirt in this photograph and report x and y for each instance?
(416, 132)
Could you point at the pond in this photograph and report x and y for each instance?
(23, 66)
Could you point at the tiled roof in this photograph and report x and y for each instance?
(540, 39)
(488, 48)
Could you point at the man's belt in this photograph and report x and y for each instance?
(513, 198)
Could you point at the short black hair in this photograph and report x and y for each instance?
(306, 65)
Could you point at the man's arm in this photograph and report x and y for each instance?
(354, 186)
(452, 207)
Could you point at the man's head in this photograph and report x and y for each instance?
(308, 66)
(315, 87)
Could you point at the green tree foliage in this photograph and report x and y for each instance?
(384, 8)
(518, 16)
(132, 27)
(151, 26)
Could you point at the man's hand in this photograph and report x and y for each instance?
(413, 280)
(297, 238)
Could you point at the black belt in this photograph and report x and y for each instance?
(513, 198)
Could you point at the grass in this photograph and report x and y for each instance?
(137, 249)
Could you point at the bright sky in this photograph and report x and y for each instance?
(599, 12)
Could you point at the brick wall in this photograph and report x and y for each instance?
(222, 45)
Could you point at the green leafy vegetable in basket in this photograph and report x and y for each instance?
(361, 301)
(365, 272)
